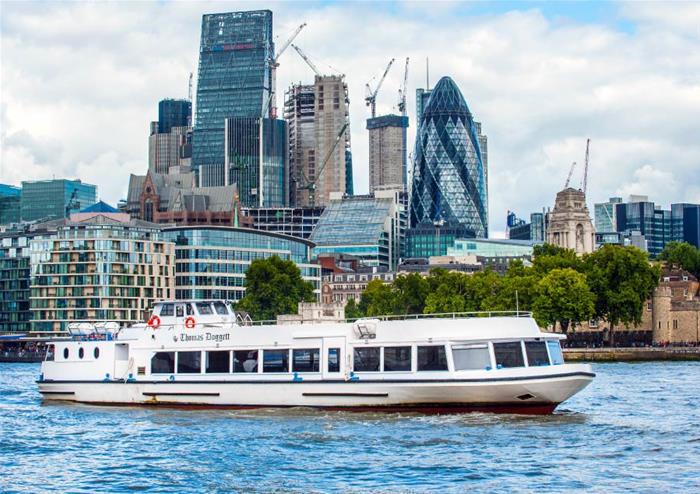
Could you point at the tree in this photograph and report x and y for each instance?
(622, 279)
(682, 254)
(410, 291)
(547, 257)
(563, 297)
(377, 299)
(274, 287)
(352, 310)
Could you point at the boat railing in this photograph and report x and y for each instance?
(408, 317)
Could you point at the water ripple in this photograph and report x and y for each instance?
(632, 429)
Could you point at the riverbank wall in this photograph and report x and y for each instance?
(631, 354)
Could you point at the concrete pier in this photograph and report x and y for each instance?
(631, 354)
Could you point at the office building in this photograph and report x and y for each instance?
(99, 267)
(297, 222)
(170, 139)
(685, 223)
(53, 199)
(643, 216)
(174, 113)
(233, 80)
(368, 227)
(569, 224)
(260, 184)
(387, 151)
(519, 229)
(430, 240)
(211, 262)
(320, 157)
(604, 214)
(422, 98)
(10, 204)
(494, 254)
(449, 178)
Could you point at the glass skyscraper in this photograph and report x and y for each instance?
(54, 199)
(233, 81)
(173, 113)
(449, 177)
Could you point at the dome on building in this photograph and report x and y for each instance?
(449, 176)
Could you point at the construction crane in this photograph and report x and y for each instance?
(310, 185)
(571, 172)
(585, 168)
(402, 91)
(371, 98)
(306, 59)
(273, 68)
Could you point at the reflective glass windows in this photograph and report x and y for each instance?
(245, 361)
(397, 358)
(217, 362)
(189, 362)
(163, 363)
(509, 354)
(276, 360)
(334, 360)
(366, 359)
(536, 353)
(555, 353)
(471, 357)
(432, 358)
(305, 360)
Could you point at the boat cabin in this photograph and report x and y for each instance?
(190, 313)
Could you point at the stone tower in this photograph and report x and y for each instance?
(569, 223)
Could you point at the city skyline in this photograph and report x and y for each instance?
(77, 99)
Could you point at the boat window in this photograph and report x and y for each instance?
(432, 358)
(96, 353)
(204, 309)
(366, 359)
(220, 308)
(189, 362)
(167, 310)
(65, 353)
(163, 363)
(245, 361)
(397, 358)
(275, 360)
(179, 311)
(50, 353)
(217, 361)
(305, 360)
(555, 352)
(81, 352)
(189, 310)
(509, 354)
(334, 360)
(471, 357)
(536, 352)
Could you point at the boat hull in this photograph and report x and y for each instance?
(522, 394)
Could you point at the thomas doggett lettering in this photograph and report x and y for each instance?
(218, 337)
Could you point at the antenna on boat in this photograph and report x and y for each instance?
(517, 305)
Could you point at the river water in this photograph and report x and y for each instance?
(636, 427)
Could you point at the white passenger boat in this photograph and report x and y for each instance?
(200, 353)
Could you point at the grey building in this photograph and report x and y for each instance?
(294, 221)
(387, 151)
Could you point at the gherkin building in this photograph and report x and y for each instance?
(449, 178)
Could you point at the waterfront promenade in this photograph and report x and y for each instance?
(631, 354)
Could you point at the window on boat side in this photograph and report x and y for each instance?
(509, 354)
(334, 360)
(276, 360)
(217, 361)
(189, 362)
(163, 363)
(204, 308)
(305, 360)
(536, 352)
(179, 310)
(50, 353)
(397, 358)
(432, 358)
(220, 308)
(65, 353)
(245, 361)
(189, 310)
(167, 310)
(555, 354)
(366, 359)
(471, 357)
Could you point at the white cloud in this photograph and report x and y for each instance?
(81, 82)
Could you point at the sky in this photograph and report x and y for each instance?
(80, 83)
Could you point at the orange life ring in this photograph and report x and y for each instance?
(154, 322)
(190, 322)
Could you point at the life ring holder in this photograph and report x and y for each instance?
(190, 323)
(154, 322)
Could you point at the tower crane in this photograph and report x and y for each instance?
(306, 59)
(402, 91)
(310, 185)
(571, 172)
(585, 167)
(273, 68)
(371, 98)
